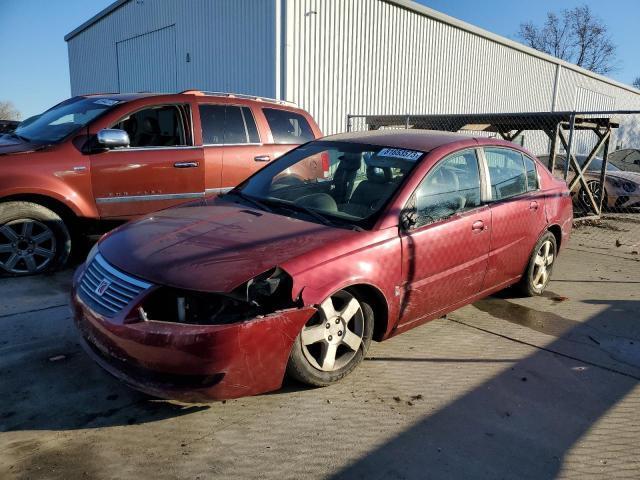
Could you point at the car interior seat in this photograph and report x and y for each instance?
(345, 176)
(370, 193)
(441, 196)
(150, 134)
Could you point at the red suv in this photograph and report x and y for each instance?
(117, 156)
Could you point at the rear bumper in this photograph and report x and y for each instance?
(192, 363)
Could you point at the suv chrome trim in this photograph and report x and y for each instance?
(106, 290)
(149, 198)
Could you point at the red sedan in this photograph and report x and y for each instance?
(222, 297)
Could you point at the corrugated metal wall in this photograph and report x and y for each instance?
(231, 46)
(371, 56)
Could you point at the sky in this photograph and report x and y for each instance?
(35, 72)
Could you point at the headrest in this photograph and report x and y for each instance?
(350, 161)
(150, 125)
(379, 174)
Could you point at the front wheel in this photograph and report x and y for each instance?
(33, 239)
(536, 278)
(333, 342)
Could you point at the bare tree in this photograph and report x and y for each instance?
(8, 111)
(636, 83)
(576, 36)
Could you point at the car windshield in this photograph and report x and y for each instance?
(341, 183)
(62, 120)
(594, 166)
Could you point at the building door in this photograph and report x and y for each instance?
(148, 62)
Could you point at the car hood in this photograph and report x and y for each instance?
(211, 248)
(631, 176)
(9, 144)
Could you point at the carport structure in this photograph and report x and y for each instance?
(559, 127)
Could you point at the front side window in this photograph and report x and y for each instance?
(343, 182)
(160, 126)
(227, 125)
(506, 172)
(64, 119)
(452, 186)
(288, 127)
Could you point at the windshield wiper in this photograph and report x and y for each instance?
(251, 200)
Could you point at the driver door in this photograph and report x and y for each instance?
(445, 253)
(160, 168)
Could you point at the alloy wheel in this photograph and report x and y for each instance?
(594, 188)
(26, 246)
(542, 265)
(334, 336)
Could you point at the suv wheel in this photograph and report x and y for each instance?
(33, 239)
(333, 342)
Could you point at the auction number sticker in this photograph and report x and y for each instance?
(400, 153)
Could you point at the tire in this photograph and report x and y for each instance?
(336, 316)
(33, 239)
(536, 277)
(594, 187)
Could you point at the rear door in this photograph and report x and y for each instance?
(517, 212)
(159, 169)
(445, 253)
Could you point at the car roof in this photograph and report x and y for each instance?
(414, 139)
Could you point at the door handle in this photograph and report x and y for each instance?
(533, 205)
(478, 226)
(186, 164)
(262, 158)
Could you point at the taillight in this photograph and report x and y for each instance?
(325, 163)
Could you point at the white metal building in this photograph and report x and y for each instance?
(331, 57)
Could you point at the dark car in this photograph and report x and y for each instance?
(626, 159)
(7, 126)
(218, 298)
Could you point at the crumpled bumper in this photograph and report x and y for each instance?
(193, 363)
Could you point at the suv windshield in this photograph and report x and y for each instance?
(341, 183)
(62, 120)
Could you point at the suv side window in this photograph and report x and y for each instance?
(532, 173)
(288, 127)
(506, 172)
(160, 126)
(227, 125)
(452, 186)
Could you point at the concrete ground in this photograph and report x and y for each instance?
(516, 388)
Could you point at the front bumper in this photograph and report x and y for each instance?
(192, 363)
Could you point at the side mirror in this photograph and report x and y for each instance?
(408, 219)
(113, 138)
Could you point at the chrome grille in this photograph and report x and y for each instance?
(107, 290)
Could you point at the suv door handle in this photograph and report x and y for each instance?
(186, 164)
(262, 158)
(478, 226)
(533, 205)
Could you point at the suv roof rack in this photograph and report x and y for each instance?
(239, 95)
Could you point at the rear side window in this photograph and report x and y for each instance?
(288, 127)
(227, 125)
(506, 171)
(532, 173)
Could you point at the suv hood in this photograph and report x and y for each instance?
(211, 248)
(10, 144)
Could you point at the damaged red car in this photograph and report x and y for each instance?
(223, 297)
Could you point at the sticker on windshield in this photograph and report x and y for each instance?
(400, 153)
(106, 101)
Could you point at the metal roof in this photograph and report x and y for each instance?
(431, 13)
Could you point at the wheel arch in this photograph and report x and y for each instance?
(65, 212)
(557, 232)
(376, 299)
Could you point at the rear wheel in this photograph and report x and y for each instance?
(333, 342)
(536, 278)
(33, 239)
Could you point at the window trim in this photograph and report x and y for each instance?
(188, 134)
(490, 198)
(483, 185)
(225, 105)
(538, 179)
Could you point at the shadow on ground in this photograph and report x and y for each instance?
(518, 424)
